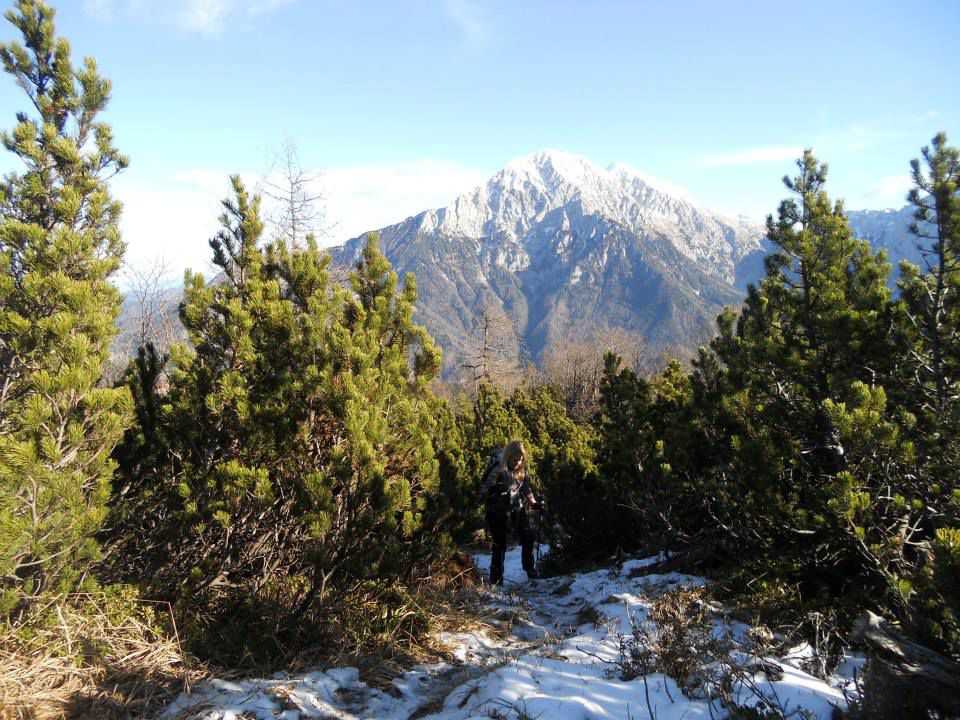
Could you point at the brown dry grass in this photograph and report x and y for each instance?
(100, 656)
(446, 596)
(88, 656)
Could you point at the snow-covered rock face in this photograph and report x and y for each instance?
(566, 248)
(514, 204)
(890, 230)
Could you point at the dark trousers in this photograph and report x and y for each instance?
(497, 523)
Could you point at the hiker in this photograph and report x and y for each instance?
(508, 492)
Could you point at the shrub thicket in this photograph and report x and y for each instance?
(292, 462)
(292, 457)
(813, 444)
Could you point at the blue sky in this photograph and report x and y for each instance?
(405, 104)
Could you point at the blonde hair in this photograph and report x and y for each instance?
(511, 452)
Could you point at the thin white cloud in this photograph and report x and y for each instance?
(469, 19)
(205, 17)
(100, 9)
(753, 156)
(856, 138)
(210, 181)
(356, 199)
(924, 117)
(265, 7)
(368, 197)
(891, 190)
(177, 238)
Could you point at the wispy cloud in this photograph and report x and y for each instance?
(891, 190)
(178, 239)
(101, 9)
(470, 19)
(368, 197)
(356, 199)
(205, 17)
(856, 138)
(753, 156)
(265, 7)
(924, 117)
(212, 183)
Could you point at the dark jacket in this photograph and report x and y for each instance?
(506, 491)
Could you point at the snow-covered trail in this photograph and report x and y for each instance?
(551, 652)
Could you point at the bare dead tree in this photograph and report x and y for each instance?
(156, 305)
(574, 363)
(497, 358)
(149, 314)
(297, 202)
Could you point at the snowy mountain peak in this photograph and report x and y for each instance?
(625, 172)
(551, 196)
(554, 168)
(515, 202)
(563, 245)
(556, 165)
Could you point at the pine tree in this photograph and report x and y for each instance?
(387, 412)
(297, 440)
(931, 302)
(932, 294)
(59, 245)
(818, 321)
(818, 456)
(485, 425)
(655, 459)
(561, 458)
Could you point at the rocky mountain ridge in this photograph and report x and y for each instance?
(557, 248)
(889, 230)
(563, 247)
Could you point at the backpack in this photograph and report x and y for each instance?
(490, 468)
(497, 498)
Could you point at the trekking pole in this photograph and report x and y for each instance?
(539, 528)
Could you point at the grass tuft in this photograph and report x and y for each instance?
(101, 655)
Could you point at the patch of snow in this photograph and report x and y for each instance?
(476, 647)
(512, 258)
(557, 659)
